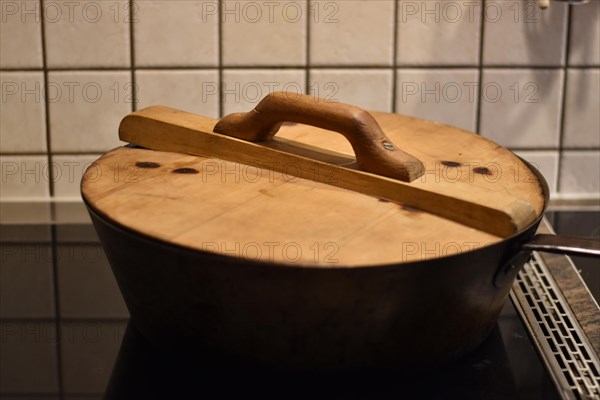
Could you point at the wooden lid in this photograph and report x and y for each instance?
(230, 208)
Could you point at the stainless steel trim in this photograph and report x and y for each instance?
(555, 332)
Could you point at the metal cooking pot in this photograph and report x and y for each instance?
(422, 312)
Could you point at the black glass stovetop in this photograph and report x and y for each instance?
(65, 334)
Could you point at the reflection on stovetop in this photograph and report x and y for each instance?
(62, 317)
(505, 366)
(63, 324)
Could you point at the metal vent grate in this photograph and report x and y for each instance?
(559, 339)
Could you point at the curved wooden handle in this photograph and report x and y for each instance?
(374, 151)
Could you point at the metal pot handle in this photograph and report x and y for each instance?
(374, 151)
(567, 245)
(564, 245)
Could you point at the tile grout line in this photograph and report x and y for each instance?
(220, 56)
(302, 66)
(395, 57)
(563, 111)
(47, 106)
(132, 66)
(307, 49)
(480, 68)
(58, 346)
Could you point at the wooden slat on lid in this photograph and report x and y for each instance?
(378, 172)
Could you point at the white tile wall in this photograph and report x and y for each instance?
(193, 91)
(264, 33)
(87, 33)
(351, 32)
(369, 89)
(517, 32)
(520, 108)
(579, 173)
(20, 34)
(438, 33)
(442, 95)
(86, 109)
(182, 33)
(22, 112)
(582, 119)
(24, 177)
(213, 58)
(243, 89)
(584, 48)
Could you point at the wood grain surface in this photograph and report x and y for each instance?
(231, 208)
